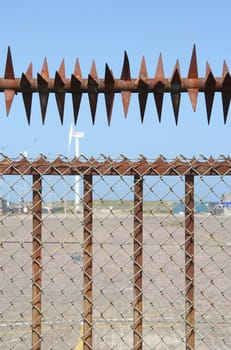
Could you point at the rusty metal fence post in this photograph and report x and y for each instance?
(189, 263)
(87, 264)
(138, 263)
(37, 263)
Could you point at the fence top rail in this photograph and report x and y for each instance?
(108, 85)
(180, 166)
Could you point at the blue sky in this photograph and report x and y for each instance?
(102, 30)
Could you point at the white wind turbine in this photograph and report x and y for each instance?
(76, 135)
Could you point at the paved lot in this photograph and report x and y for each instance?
(163, 282)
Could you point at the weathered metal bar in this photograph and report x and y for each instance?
(124, 167)
(164, 85)
(189, 263)
(138, 262)
(87, 264)
(37, 263)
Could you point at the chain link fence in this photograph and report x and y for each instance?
(115, 254)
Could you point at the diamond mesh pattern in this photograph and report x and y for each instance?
(112, 273)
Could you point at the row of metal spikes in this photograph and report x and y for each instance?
(143, 85)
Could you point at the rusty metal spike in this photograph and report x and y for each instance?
(158, 95)
(210, 84)
(61, 70)
(77, 70)
(9, 74)
(159, 69)
(126, 75)
(76, 95)
(93, 71)
(225, 69)
(193, 74)
(59, 83)
(43, 84)
(45, 71)
(143, 95)
(109, 96)
(9, 96)
(175, 94)
(193, 71)
(29, 71)
(26, 93)
(9, 70)
(226, 91)
(142, 103)
(92, 96)
(143, 69)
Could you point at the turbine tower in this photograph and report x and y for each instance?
(76, 135)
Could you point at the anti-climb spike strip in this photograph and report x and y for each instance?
(109, 85)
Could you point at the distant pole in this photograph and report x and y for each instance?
(77, 135)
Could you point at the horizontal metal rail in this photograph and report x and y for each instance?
(143, 167)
